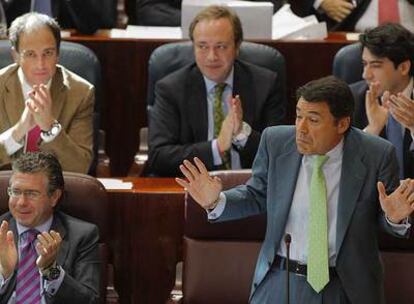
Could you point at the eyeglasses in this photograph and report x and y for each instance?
(17, 193)
(33, 56)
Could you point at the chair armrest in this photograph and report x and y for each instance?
(112, 296)
(176, 295)
(103, 168)
(141, 157)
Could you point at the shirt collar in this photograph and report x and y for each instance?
(408, 91)
(335, 154)
(41, 228)
(211, 84)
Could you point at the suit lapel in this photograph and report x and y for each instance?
(197, 101)
(288, 165)
(58, 226)
(14, 100)
(351, 182)
(247, 93)
(58, 91)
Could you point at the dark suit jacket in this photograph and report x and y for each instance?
(84, 15)
(360, 120)
(348, 24)
(73, 99)
(366, 160)
(78, 256)
(178, 122)
(168, 12)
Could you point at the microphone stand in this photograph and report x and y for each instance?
(288, 240)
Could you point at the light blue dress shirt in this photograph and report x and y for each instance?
(49, 287)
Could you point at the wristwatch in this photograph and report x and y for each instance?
(49, 135)
(51, 273)
(243, 135)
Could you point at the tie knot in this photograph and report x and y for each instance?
(31, 235)
(219, 88)
(319, 161)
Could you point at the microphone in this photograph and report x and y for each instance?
(288, 240)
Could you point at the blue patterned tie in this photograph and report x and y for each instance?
(395, 136)
(43, 7)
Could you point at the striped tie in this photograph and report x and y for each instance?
(28, 277)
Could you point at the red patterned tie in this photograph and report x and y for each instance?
(32, 139)
(28, 277)
(388, 11)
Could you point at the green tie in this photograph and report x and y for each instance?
(318, 268)
(218, 120)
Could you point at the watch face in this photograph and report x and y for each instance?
(54, 130)
(53, 274)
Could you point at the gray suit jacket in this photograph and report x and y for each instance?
(73, 99)
(366, 160)
(78, 256)
(178, 123)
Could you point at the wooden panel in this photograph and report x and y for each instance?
(124, 67)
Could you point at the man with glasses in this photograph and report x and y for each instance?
(43, 105)
(45, 255)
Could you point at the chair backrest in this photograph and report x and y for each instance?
(224, 253)
(170, 57)
(84, 198)
(347, 64)
(82, 61)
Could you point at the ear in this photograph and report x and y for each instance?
(344, 124)
(404, 67)
(15, 55)
(55, 197)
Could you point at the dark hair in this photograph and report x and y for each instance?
(42, 162)
(334, 91)
(215, 12)
(31, 22)
(392, 41)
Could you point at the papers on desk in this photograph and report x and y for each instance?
(256, 17)
(286, 25)
(148, 32)
(115, 184)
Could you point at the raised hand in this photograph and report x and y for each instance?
(237, 110)
(200, 185)
(24, 125)
(40, 106)
(225, 136)
(8, 251)
(377, 114)
(402, 109)
(399, 204)
(47, 248)
(337, 10)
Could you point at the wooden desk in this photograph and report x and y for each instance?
(124, 68)
(146, 235)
